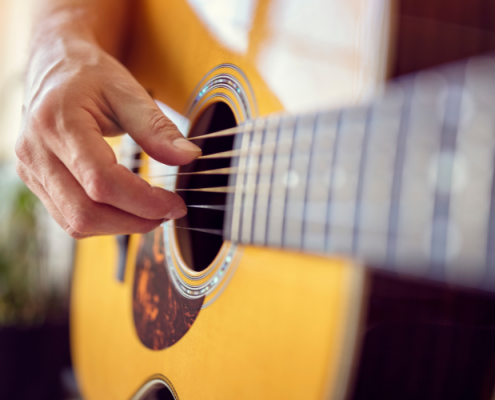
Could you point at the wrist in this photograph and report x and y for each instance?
(66, 25)
(61, 42)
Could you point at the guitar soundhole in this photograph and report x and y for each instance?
(158, 392)
(199, 249)
(164, 394)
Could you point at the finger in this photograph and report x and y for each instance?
(82, 149)
(82, 214)
(35, 186)
(138, 115)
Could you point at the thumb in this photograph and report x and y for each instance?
(139, 116)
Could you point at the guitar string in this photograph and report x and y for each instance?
(248, 127)
(254, 151)
(251, 151)
(286, 176)
(248, 153)
(308, 222)
(218, 232)
(226, 132)
(231, 189)
(241, 129)
(218, 171)
(299, 205)
(319, 224)
(247, 189)
(209, 207)
(266, 149)
(221, 171)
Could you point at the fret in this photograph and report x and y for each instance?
(324, 129)
(272, 180)
(360, 178)
(290, 180)
(348, 161)
(261, 192)
(333, 179)
(470, 190)
(480, 80)
(233, 218)
(295, 182)
(377, 184)
(416, 205)
(489, 275)
(403, 96)
(265, 176)
(442, 227)
(308, 179)
(281, 166)
(250, 183)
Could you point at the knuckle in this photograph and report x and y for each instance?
(21, 171)
(122, 88)
(23, 150)
(158, 123)
(41, 117)
(96, 186)
(76, 235)
(81, 223)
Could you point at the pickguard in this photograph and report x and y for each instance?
(162, 315)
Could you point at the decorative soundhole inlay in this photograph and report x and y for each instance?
(206, 284)
(225, 81)
(162, 315)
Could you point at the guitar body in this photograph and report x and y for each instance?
(269, 324)
(280, 329)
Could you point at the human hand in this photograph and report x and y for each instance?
(76, 94)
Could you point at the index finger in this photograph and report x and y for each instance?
(81, 147)
(142, 119)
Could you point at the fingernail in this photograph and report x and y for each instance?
(176, 214)
(184, 144)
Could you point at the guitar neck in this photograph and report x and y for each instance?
(404, 183)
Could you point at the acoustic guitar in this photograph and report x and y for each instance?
(340, 237)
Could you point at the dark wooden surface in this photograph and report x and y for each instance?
(434, 32)
(426, 341)
(34, 360)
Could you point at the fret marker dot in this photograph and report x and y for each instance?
(448, 172)
(291, 179)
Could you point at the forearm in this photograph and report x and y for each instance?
(104, 22)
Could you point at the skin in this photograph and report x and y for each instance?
(77, 92)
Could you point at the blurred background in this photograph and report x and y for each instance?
(35, 254)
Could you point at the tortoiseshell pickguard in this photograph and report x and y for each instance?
(162, 315)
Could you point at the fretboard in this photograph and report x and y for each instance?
(405, 182)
